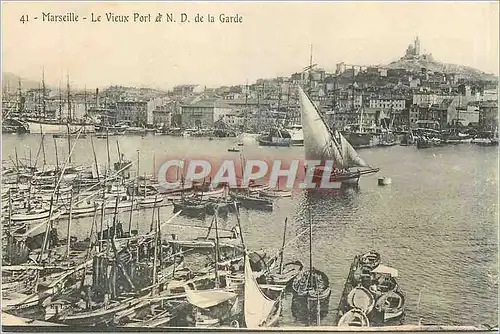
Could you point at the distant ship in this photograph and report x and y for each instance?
(275, 137)
(57, 127)
(323, 144)
(297, 135)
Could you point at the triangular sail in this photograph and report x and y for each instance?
(257, 305)
(351, 157)
(318, 142)
(321, 143)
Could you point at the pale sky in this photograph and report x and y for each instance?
(273, 40)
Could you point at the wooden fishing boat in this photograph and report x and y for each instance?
(308, 291)
(253, 202)
(160, 315)
(370, 259)
(52, 285)
(149, 202)
(276, 193)
(10, 320)
(233, 149)
(391, 304)
(212, 307)
(354, 318)
(178, 196)
(255, 188)
(429, 142)
(361, 298)
(82, 209)
(387, 143)
(183, 187)
(111, 204)
(275, 137)
(290, 271)
(210, 193)
(100, 316)
(50, 189)
(191, 208)
(35, 214)
(252, 189)
(148, 308)
(25, 304)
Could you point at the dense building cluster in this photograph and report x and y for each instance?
(353, 95)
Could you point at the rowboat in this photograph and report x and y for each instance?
(392, 304)
(82, 209)
(35, 214)
(254, 202)
(361, 298)
(370, 259)
(354, 318)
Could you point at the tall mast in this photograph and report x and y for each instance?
(310, 70)
(216, 248)
(37, 106)
(43, 93)
(288, 105)
(279, 98)
(60, 101)
(258, 109)
(69, 98)
(20, 97)
(310, 249)
(246, 108)
(352, 90)
(85, 100)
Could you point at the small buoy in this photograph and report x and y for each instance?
(382, 181)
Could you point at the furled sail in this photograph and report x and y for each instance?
(257, 305)
(318, 142)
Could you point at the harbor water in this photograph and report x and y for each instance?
(437, 223)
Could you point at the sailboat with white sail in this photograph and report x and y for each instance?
(330, 147)
(260, 310)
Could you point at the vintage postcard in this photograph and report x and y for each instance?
(250, 165)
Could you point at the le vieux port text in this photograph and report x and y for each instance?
(137, 17)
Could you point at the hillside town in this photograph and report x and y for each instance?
(352, 96)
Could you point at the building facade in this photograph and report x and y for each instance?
(388, 103)
(133, 112)
(204, 113)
